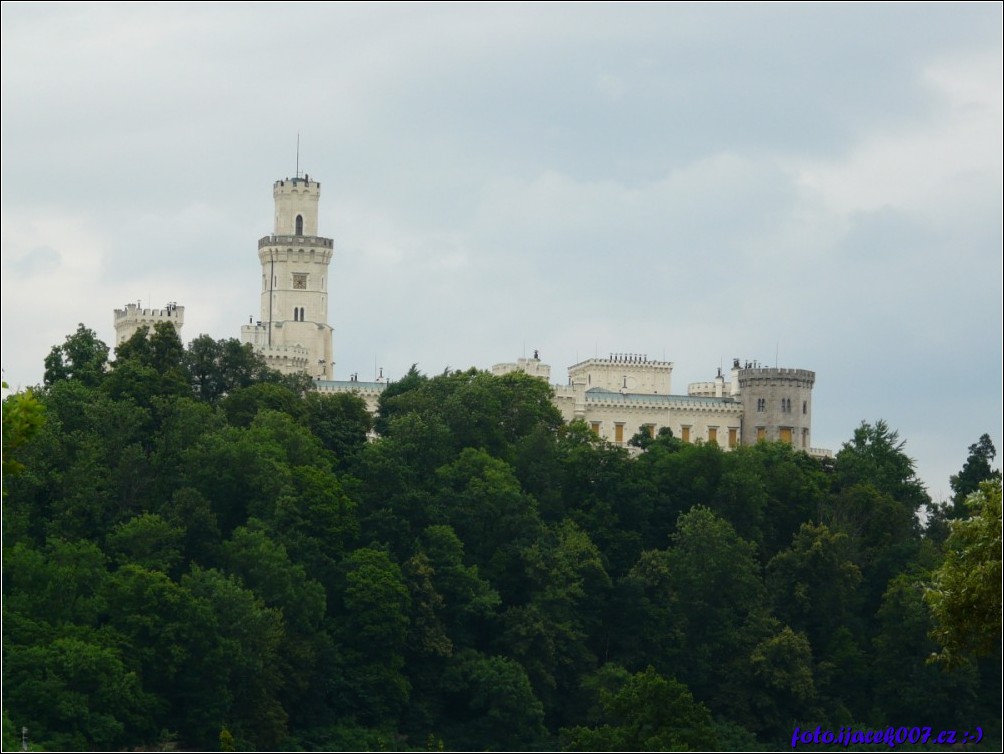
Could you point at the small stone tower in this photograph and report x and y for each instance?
(293, 331)
(132, 317)
(777, 405)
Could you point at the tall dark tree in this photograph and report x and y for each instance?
(976, 469)
(82, 357)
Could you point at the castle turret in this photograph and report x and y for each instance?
(293, 331)
(777, 405)
(133, 316)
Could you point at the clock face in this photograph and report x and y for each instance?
(299, 281)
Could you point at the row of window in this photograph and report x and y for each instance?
(784, 435)
(298, 314)
(684, 432)
(761, 405)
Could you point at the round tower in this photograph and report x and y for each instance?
(293, 332)
(777, 405)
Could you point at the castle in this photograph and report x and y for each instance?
(617, 397)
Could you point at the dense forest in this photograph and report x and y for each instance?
(200, 553)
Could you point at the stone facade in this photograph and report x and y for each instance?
(132, 317)
(292, 332)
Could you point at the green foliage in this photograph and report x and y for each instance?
(875, 456)
(340, 421)
(976, 469)
(813, 584)
(195, 543)
(907, 685)
(23, 417)
(148, 541)
(218, 367)
(82, 357)
(491, 699)
(648, 713)
(965, 592)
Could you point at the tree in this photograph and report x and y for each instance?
(82, 357)
(813, 584)
(372, 633)
(698, 610)
(239, 672)
(965, 592)
(217, 367)
(875, 456)
(907, 686)
(341, 421)
(491, 705)
(975, 470)
(76, 694)
(23, 416)
(649, 713)
(149, 541)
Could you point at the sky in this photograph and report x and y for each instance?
(809, 186)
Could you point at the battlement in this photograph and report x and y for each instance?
(301, 241)
(289, 185)
(171, 311)
(639, 359)
(768, 375)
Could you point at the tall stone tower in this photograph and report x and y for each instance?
(777, 405)
(292, 332)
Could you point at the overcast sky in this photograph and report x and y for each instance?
(819, 186)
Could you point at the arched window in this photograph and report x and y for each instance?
(296, 314)
(299, 225)
(302, 318)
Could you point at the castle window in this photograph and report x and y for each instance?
(786, 435)
(761, 405)
(761, 434)
(595, 426)
(303, 318)
(805, 407)
(299, 225)
(296, 314)
(619, 432)
(733, 438)
(713, 435)
(648, 429)
(685, 434)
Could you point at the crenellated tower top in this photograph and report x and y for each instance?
(296, 206)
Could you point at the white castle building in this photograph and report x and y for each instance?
(627, 393)
(617, 397)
